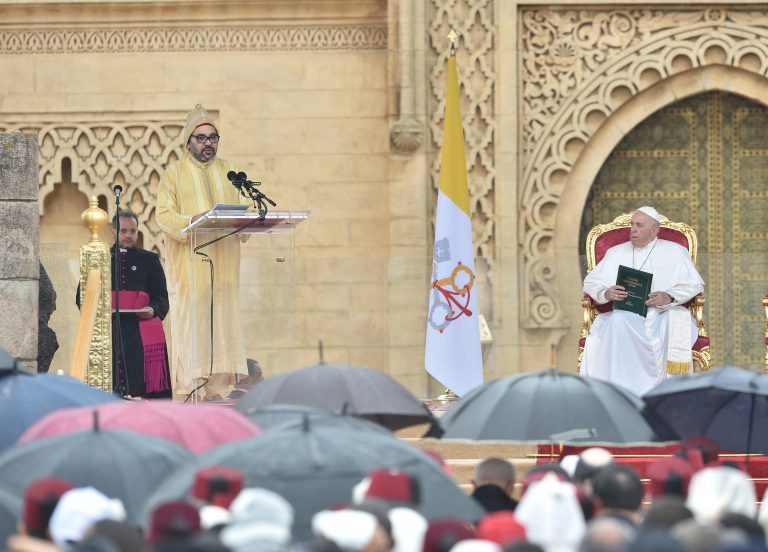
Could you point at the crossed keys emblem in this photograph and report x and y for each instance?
(450, 301)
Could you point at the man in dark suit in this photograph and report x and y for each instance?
(141, 358)
(494, 482)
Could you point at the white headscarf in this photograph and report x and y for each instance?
(349, 529)
(261, 520)
(721, 490)
(408, 529)
(551, 514)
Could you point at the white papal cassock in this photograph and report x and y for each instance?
(623, 347)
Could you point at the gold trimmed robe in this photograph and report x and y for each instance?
(189, 187)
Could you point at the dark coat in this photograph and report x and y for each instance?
(494, 499)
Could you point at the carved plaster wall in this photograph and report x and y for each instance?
(473, 20)
(102, 154)
(580, 71)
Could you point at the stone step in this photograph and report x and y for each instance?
(462, 457)
(452, 449)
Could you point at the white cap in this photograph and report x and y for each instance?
(360, 489)
(261, 520)
(651, 212)
(214, 516)
(475, 545)
(349, 529)
(408, 529)
(569, 462)
(77, 510)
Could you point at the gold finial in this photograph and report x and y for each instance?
(452, 36)
(94, 218)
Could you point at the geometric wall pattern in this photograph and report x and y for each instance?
(99, 155)
(473, 21)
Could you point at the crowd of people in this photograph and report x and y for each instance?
(693, 502)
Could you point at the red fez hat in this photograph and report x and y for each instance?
(501, 527)
(173, 520)
(40, 499)
(217, 485)
(442, 534)
(393, 485)
(669, 475)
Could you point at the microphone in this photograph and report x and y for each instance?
(118, 190)
(233, 176)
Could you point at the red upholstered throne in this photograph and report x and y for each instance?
(604, 236)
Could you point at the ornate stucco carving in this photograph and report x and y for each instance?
(106, 40)
(473, 20)
(577, 68)
(102, 154)
(406, 135)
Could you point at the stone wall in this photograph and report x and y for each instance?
(19, 265)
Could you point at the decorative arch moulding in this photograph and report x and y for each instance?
(578, 67)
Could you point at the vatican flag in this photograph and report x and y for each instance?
(452, 354)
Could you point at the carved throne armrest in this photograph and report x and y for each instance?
(589, 312)
(696, 306)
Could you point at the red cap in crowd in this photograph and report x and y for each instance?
(393, 485)
(217, 485)
(669, 475)
(40, 499)
(501, 527)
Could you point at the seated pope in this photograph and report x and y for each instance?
(626, 348)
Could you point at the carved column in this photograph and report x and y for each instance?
(19, 261)
(407, 133)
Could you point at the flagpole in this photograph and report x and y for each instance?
(449, 396)
(453, 351)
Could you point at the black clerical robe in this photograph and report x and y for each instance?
(140, 271)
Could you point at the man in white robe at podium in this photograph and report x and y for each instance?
(188, 189)
(625, 348)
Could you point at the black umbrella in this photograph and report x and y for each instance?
(315, 468)
(358, 391)
(282, 416)
(729, 405)
(27, 397)
(121, 464)
(10, 510)
(548, 405)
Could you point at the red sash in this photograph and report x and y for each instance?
(153, 340)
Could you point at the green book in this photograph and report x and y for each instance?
(637, 285)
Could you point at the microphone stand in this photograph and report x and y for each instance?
(117, 273)
(258, 203)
